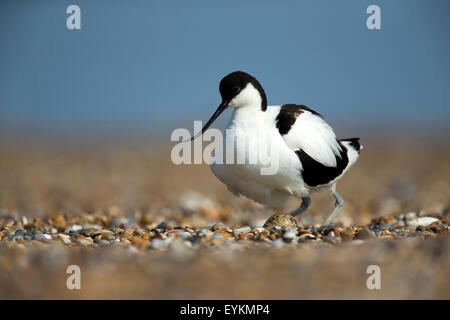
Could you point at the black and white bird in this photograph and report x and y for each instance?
(310, 157)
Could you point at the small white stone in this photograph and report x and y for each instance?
(65, 239)
(422, 221)
(185, 235)
(242, 230)
(290, 234)
(42, 237)
(91, 226)
(84, 241)
(74, 228)
(306, 236)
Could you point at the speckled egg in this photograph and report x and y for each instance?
(281, 220)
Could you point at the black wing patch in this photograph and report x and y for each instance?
(354, 143)
(289, 114)
(314, 173)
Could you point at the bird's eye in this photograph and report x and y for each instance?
(236, 89)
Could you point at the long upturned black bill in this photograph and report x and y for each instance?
(219, 110)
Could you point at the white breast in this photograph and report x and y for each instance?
(246, 131)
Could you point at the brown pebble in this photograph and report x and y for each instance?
(219, 226)
(224, 234)
(440, 229)
(388, 218)
(281, 220)
(244, 236)
(272, 237)
(147, 218)
(364, 234)
(265, 233)
(346, 235)
(168, 228)
(139, 242)
(84, 241)
(337, 231)
(107, 236)
(304, 231)
(58, 221)
(91, 232)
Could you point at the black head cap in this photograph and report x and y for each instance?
(232, 84)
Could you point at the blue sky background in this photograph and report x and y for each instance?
(151, 66)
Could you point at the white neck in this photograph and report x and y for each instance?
(247, 108)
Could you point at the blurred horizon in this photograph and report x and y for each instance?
(145, 68)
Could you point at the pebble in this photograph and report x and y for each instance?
(103, 242)
(219, 226)
(347, 235)
(20, 233)
(290, 234)
(64, 238)
(331, 234)
(97, 230)
(364, 234)
(107, 235)
(92, 226)
(422, 221)
(185, 235)
(73, 228)
(85, 241)
(307, 236)
(241, 230)
(42, 237)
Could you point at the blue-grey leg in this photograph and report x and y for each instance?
(337, 207)
(306, 201)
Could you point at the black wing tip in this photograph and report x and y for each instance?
(354, 143)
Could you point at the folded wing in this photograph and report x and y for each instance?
(304, 129)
